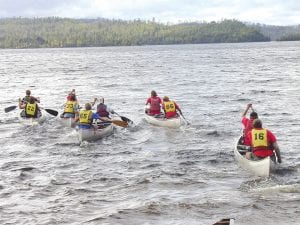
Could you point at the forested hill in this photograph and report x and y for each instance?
(279, 33)
(60, 32)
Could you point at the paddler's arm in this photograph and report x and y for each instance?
(277, 151)
(21, 104)
(246, 110)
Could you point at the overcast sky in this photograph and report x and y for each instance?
(271, 12)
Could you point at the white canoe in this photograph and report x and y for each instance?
(31, 121)
(68, 122)
(260, 168)
(163, 122)
(94, 135)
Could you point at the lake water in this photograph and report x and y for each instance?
(146, 175)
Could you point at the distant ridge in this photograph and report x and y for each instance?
(55, 32)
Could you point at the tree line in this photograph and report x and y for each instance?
(279, 33)
(54, 32)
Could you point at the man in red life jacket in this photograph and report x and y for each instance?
(248, 123)
(262, 141)
(170, 108)
(103, 110)
(155, 104)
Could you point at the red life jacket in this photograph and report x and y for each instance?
(102, 110)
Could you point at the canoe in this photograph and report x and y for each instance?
(174, 122)
(94, 135)
(31, 121)
(260, 168)
(68, 122)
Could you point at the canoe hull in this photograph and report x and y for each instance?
(94, 135)
(68, 122)
(163, 122)
(260, 168)
(31, 121)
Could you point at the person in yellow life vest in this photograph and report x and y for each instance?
(263, 143)
(31, 108)
(86, 116)
(71, 107)
(170, 108)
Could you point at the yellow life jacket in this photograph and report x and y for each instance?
(31, 109)
(170, 106)
(69, 107)
(85, 116)
(259, 138)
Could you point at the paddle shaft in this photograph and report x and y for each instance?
(123, 117)
(184, 118)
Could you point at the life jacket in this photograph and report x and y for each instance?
(31, 110)
(155, 105)
(260, 143)
(85, 116)
(170, 109)
(69, 107)
(102, 110)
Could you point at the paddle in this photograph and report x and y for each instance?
(120, 123)
(10, 108)
(116, 122)
(123, 117)
(187, 122)
(50, 111)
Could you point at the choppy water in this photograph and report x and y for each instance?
(149, 175)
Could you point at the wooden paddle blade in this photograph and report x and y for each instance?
(120, 123)
(52, 112)
(10, 108)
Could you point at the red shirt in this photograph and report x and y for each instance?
(248, 125)
(262, 152)
(155, 103)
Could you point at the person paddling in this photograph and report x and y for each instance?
(155, 104)
(31, 108)
(170, 108)
(70, 107)
(86, 117)
(103, 110)
(248, 122)
(72, 95)
(263, 143)
(27, 97)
